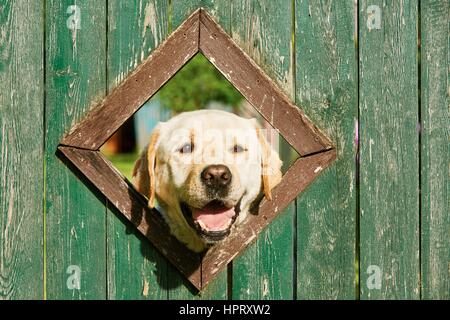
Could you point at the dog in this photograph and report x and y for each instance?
(206, 169)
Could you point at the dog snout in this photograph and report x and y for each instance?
(216, 176)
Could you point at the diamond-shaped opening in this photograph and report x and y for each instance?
(196, 86)
(199, 33)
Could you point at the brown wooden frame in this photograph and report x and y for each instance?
(199, 33)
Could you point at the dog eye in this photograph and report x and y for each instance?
(238, 149)
(186, 148)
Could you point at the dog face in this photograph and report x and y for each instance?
(206, 168)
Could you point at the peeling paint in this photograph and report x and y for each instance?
(145, 289)
(265, 287)
(10, 206)
(74, 43)
(370, 149)
(151, 21)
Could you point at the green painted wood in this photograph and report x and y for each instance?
(264, 271)
(435, 150)
(326, 89)
(21, 149)
(263, 30)
(75, 214)
(179, 288)
(117, 263)
(135, 269)
(219, 9)
(389, 185)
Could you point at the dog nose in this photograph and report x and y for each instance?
(216, 176)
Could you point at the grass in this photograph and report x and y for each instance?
(124, 162)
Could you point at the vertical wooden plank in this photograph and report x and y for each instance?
(435, 151)
(21, 145)
(135, 269)
(179, 288)
(389, 185)
(75, 216)
(264, 30)
(219, 9)
(326, 88)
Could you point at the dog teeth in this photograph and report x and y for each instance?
(202, 225)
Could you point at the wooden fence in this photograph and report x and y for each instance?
(375, 76)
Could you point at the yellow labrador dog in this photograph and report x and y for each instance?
(206, 169)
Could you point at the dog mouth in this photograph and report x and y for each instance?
(213, 222)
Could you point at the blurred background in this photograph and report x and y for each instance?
(198, 85)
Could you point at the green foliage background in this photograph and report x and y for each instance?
(194, 86)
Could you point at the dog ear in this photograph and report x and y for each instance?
(144, 169)
(270, 164)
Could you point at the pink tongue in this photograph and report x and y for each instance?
(214, 219)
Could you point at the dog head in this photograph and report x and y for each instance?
(206, 168)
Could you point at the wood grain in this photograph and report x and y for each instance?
(210, 39)
(261, 29)
(21, 150)
(258, 89)
(136, 89)
(326, 88)
(389, 185)
(75, 216)
(295, 180)
(179, 289)
(220, 10)
(435, 150)
(403, 231)
(133, 206)
(135, 269)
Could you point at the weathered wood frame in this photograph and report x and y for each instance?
(199, 33)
